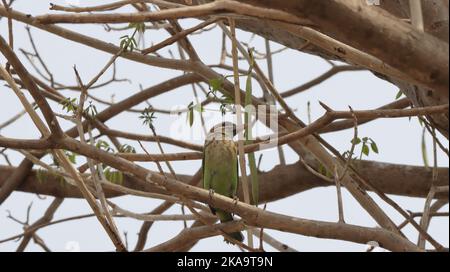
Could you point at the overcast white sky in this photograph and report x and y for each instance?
(398, 140)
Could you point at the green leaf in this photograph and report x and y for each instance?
(399, 94)
(420, 122)
(356, 141)
(108, 174)
(191, 117)
(227, 99)
(308, 109)
(103, 145)
(113, 176)
(119, 177)
(140, 27)
(69, 104)
(127, 43)
(322, 170)
(215, 84)
(148, 117)
(127, 149)
(329, 174)
(254, 178)
(248, 133)
(374, 147)
(199, 108)
(365, 150)
(122, 44)
(41, 175)
(424, 149)
(71, 156)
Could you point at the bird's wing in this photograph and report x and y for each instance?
(207, 177)
(235, 178)
(206, 174)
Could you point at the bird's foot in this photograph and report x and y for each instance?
(211, 194)
(235, 200)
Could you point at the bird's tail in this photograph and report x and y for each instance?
(227, 217)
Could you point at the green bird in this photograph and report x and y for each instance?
(220, 167)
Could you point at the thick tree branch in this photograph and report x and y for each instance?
(252, 215)
(278, 183)
(418, 54)
(422, 56)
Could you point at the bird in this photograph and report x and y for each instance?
(220, 168)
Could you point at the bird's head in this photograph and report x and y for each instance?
(222, 131)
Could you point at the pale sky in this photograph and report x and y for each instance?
(398, 139)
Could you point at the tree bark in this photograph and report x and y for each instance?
(436, 22)
(278, 183)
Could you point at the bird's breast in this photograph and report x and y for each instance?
(221, 151)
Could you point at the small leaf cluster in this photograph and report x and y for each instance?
(148, 118)
(103, 145)
(71, 156)
(128, 43)
(70, 105)
(139, 27)
(226, 101)
(368, 144)
(126, 148)
(113, 175)
(42, 174)
(323, 171)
